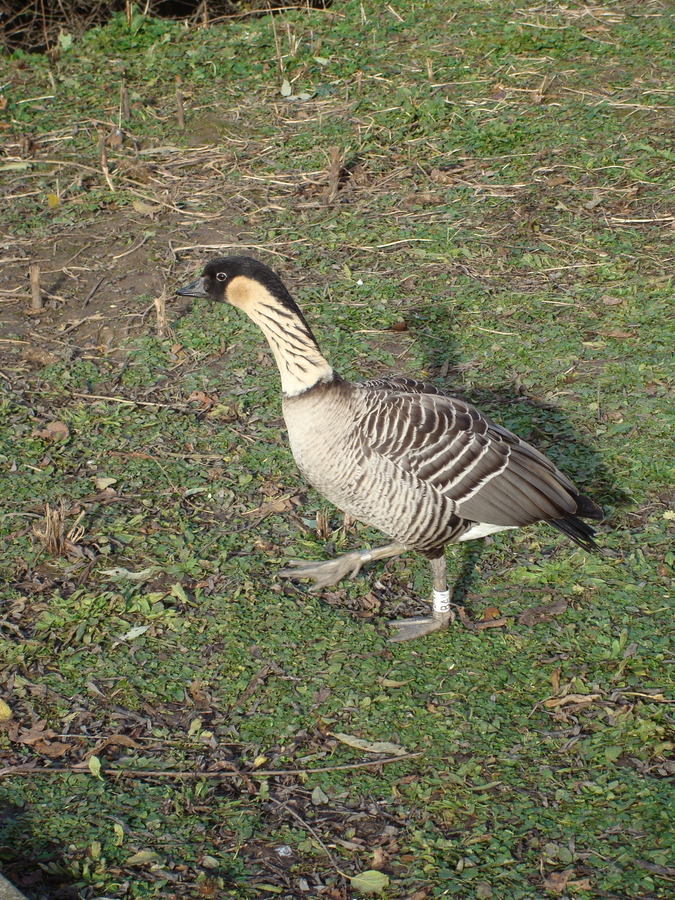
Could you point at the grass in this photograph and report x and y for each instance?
(497, 217)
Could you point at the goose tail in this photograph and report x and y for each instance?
(580, 532)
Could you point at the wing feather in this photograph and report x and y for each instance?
(490, 475)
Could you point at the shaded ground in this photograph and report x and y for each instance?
(482, 196)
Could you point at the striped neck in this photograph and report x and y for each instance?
(301, 364)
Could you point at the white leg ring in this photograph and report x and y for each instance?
(441, 601)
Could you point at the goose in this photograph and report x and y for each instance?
(425, 468)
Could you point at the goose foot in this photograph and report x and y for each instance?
(418, 626)
(329, 571)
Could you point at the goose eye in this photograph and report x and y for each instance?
(221, 276)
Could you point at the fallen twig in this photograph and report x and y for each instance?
(93, 291)
(180, 109)
(174, 773)
(126, 402)
(35, 294)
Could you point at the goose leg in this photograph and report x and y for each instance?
(441, 614)
(331, 571)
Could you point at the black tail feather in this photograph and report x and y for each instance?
(588, 509)
(580, 532)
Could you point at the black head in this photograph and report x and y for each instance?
(219, 273)
(230, 279)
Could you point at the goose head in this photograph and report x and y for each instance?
(240, 281)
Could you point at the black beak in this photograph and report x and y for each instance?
(194, 289)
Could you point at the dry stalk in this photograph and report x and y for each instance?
(125, 108)
(52, 535)
(162, 319)
(322, 525)
(35, 293)
(75, 535)
(104, 159)
(180, 109)
(347, 523)
(277, 45)
(335, 167)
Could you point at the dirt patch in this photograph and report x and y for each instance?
(98, 282)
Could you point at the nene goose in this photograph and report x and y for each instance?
(425, 468)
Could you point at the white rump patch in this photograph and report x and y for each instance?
(483, 530)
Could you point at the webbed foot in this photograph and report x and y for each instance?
(329, 571)
(418, 626)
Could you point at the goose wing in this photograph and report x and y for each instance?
(490, 474)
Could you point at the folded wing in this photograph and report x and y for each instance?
(490, 474)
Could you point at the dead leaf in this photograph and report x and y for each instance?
(619, 335)
(102, 483)
(142, 858)
(200, 696)
(319, 797)
(555, 679)
(611, 301)
(370, 882)
(491, 623)
(50, 749)
(321, 695)
(279, 505)
(465, 620)
(379, 858)
(53, 431)
(370, 746)
(115, 139)
(556, 882)
(595, 200)
(553, 702)
(370, 605)
(40, 739)
(350, 845)
(390, 682)
(441, 177)
(36, 732)
(543, 613)
(203, 399)
(5, 712)
(115, 740)
(491, 612)
(145, 209)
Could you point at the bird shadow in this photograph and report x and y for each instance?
(35, 867)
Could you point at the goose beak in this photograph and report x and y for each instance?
(194, 289)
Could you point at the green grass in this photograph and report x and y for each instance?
(507, 193)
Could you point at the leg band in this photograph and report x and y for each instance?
(441, 601)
